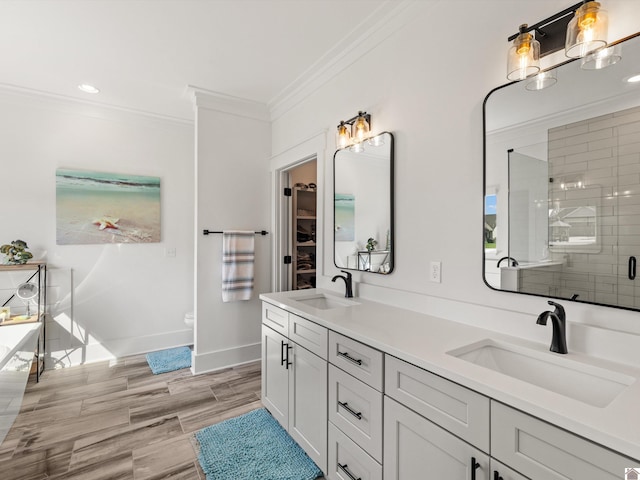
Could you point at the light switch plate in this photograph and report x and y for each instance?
(434, 272)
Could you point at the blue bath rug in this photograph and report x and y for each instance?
(169, 360)
(252, 446)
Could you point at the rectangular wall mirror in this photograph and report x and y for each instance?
(562, 183)
(363, 206)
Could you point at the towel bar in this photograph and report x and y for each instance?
(208, 232)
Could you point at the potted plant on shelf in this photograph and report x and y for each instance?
(16, 252)
(371, 244)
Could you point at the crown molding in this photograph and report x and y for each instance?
(84, 107)
(243, 107)
(374, 29)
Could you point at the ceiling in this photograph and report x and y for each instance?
(142, 54)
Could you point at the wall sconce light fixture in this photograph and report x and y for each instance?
(580, 29)
(524, 56)
(587, 31)
(360, 126)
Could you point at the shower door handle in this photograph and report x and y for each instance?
(632, 268)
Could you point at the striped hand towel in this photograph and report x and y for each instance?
(238, 254)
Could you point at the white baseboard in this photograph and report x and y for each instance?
(211, 361)
(60, 355)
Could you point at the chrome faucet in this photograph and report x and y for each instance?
(558, 319)
(348, 284)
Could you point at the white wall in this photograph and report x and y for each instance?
(425, 83)
(233, 193)
(107, 300)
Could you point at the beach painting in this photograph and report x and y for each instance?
(99, 207)
(344, 213)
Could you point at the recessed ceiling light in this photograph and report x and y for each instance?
(634, 79)
(86, 88)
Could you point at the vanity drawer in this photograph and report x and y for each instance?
(356, 409)
(309, 335)
(463, 412)
(344, 454)
(361, 361)
(540, 450)
(275, 318)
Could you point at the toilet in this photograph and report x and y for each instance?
(188, 319)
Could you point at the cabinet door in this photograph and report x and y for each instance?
(540, 450)
(308, 404)
(416, 448)
(275, 376)
(502, 472)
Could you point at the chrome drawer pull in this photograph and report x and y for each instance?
(345, 405)
(350, 358)
(346, 470)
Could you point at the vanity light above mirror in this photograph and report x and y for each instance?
(580, 29)
(352, 132)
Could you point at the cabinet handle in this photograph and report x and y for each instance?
(287, 362)
(346, 406)
(345, 469)
(350, 358)
(496, 475)
(282, 359)
(474, 466)
(632, 268)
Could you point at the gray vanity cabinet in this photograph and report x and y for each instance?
(418, 448)
(540, 450)
(294, 379)
(368, 415)
(423, 413)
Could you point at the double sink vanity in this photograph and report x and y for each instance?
(372, 391)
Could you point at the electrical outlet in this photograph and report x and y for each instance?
(434, 271)
(170, 252)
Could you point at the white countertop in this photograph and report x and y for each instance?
(424, 341)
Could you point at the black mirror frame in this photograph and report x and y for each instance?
(392, 259)
(484, 194)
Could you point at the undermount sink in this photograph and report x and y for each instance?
(583, 382)
(325, 302)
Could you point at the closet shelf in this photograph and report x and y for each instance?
(304, 239)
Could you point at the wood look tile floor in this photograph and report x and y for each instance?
(118, 421)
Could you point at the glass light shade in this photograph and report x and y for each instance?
(376, 141)
(524, 57)
(603, 58)
(587, 31)
(542, 80)
(360, 130)
(343, 137)
(357, 147)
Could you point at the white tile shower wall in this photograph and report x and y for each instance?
(606, 150)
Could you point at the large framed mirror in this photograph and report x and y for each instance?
(562, 183)
(363, 206)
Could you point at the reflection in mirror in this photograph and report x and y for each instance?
(363, 205)
(562, 184)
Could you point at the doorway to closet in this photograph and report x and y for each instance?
(302, 221)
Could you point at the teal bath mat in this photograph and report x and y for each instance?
(169, 360)
(252, 447)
